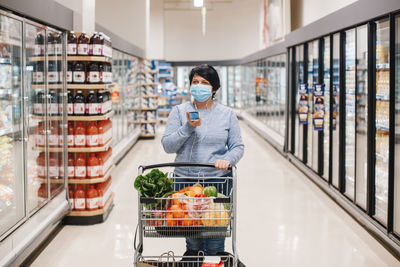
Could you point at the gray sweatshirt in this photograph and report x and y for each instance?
(218, 137)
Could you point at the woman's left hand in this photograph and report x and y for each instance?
(221, 164)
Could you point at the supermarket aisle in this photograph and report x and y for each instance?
(284, 219)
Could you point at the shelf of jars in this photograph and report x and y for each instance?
(78, 118)
(89, 76)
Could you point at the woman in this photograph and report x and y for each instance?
(213, 138)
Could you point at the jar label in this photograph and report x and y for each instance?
(71, 171)
(52, 77)
(93, 77)
(92, 109)
(92, 203)
(53, 108)
(37, 77)
(93, 171)
(70, 140)
(71, 49)
(80, 171)
(70, 108)
(80, 204)
(79, 76)
(39, 139)
(100, 200)
(38, 108)
(54, 171)
(92, 140)
(97, 49)
(60, 109)
(101, 139)
(79, 140)
(39, 50)
(51, 49)
(58, 49)
(69, 76)
(60, 140)
(79, 108)
(62, 170)
(83, 49)
(53, 140)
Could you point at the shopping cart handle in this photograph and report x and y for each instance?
(180, 164)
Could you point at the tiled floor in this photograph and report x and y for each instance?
(283, 219)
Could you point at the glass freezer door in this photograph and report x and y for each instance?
(382, 120)
(350, 111)
(396, 210)
(362, 116)
(327, 82)
(335, 109)
(299, 128)
(12, 207)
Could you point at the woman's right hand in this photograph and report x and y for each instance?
(195, 123)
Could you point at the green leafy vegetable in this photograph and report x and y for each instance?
(154, 184)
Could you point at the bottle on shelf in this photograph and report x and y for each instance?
(41, 165)
(38, 103)
(72, 44)
(53, 73)
(101, 164)
(100, 194)
(69, 72)
(92, 201)
(71, 197)
(92, 135)
(39, 44)
(101, 72)
(70, 103)
(71, 166)
(93, 75)
(51, 48)
(39, 135)
(53, 135)
(60, 135)
(54, 165)
(83, 44)
(80, 167)
(79, 104)
(70, 135)
(60, 103)
(79, 135)
(61, 166)
(79, 72)
(100, 127)
(93, 166)
(53, 105)
(92, 107)
(96, 47)
(100, 102)
(37, 74)
(58, 44)
(79, 198)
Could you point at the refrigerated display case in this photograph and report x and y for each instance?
(361, 171)
(327, 82)
(382, 120)
(336, 69)
(396, 191)
(350, 111)
(299, 129)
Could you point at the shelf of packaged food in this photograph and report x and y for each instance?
(147, 135)
(87, 213)
(42, 58)
(143, 109)
(77, 118)
(84, 86)
(146, 96)
(76, 149)
(92, 181)
(143, 122)
(50, 86)
(383, 66)
(89, 58)
(382, 97)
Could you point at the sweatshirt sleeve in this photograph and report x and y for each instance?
(235, 143)
(175, 134)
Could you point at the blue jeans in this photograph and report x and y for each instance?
(210, 246)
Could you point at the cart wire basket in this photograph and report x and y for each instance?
(188, 213)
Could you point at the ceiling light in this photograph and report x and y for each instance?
(198, 3)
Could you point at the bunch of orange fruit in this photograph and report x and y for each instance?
(177, 215)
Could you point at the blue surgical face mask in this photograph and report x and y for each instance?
(201, 92)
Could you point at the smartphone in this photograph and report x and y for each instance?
(194, 116)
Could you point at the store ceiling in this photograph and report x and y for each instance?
(187, 5)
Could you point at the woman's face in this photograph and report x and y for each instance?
(197, 79)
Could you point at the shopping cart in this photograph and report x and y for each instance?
(185, 215)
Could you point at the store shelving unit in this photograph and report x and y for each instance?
(145, 104)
